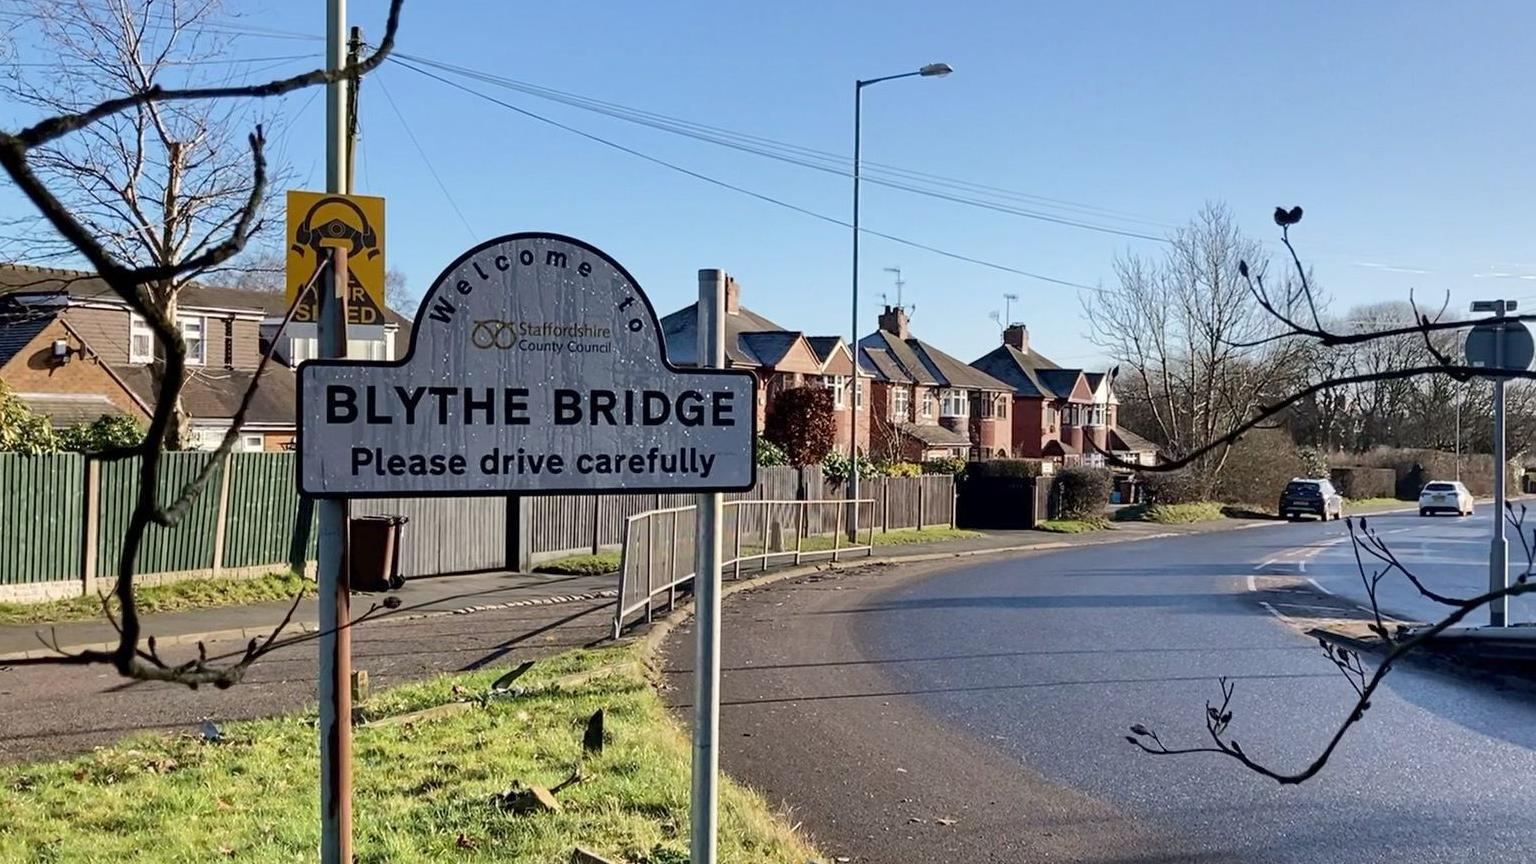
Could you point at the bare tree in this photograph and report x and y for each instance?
(1295, 312)
(134, 656)
(158, 183)
(1191, 340)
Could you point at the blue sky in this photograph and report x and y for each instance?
(1401, 127)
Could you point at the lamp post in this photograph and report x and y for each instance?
(932, 70)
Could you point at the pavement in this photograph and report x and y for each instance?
(975, 710)
(429, 596)
(445, 624)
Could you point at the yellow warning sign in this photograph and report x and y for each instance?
(355, 223)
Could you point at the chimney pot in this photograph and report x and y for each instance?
(1017, 336)
(894, 320)
(732, 296)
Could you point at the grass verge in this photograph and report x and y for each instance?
(422, 791)
(581, 565)
(1172, 514)
(1376, 502)
(175, 597)
(1073, 526)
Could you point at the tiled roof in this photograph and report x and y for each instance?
(1008, 364)
(878, 362)
(1060, 381)
(680, 330)
(924, 364)
(216, 393)
(769, 346)
(932, 435)
(824, 346)
(19, 329)
(1122, 439)
(64, 410)
(80, 285)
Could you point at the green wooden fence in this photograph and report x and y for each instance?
(264, 512)
(185, 546)
(41, 517)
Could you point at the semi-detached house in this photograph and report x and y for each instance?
(72, 350)
(928, 404)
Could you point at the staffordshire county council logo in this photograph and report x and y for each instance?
(494, 334)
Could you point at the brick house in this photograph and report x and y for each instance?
(73, 350)
(927, 404)
(780, 357)
(1069, 415)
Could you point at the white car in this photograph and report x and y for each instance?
(1445, 496)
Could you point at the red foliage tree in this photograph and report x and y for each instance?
(800, 420)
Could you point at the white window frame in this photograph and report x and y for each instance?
(837, 384)
(858, 393)
(954, 402)
(137, 328)
(200, 325)
(900, 404)
(252, 442)
(928, 403)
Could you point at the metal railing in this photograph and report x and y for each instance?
(658, 550)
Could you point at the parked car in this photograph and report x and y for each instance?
(1446, 496)
(1316, 497)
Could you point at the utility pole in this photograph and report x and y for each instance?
(354, 54)
(335, 726)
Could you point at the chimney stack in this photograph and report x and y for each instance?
(894, 320)
(1017, 335)
(732, 296)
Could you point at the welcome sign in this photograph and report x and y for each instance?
(536, 365)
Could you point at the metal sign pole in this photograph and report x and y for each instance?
(704, 813)
(1498, 551)
(335, 641)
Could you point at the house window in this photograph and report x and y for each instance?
(365, 349)
(252, 443)
(141, 341)
(1050, 418)
(994, 406)
(953, 403)
(835, 383)
(858, 393)
(1095, 414)
(303, 348)
(927, 404)
(192, 334)
(1002, 407)
(900, 403)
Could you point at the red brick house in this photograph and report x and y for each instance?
(1069, 415)
(72, 350)
(927, 404)
(782, 359)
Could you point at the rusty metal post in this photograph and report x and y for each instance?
(336, 637)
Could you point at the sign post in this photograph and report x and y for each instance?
(704, 814)
(536, 365)
(335, 640)
(1500, 346)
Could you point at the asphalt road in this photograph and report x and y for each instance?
(49, 711)
(978, 713)
(1448, 553)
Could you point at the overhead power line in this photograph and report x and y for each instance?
(731, 186)
(426, 160)
(915, 182)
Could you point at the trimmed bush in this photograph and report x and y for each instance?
(1083, 492)
(1005, 468)
(1172, 487)
(949, 465)
(1360, 483)
(903, 469)
(1415, 467)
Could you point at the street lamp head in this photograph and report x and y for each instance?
(935, 70)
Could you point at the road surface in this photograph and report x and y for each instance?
(978, 713)
(1448, 553)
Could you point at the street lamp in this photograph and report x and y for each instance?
(932, 70)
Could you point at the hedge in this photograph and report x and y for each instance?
(1083, 492)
